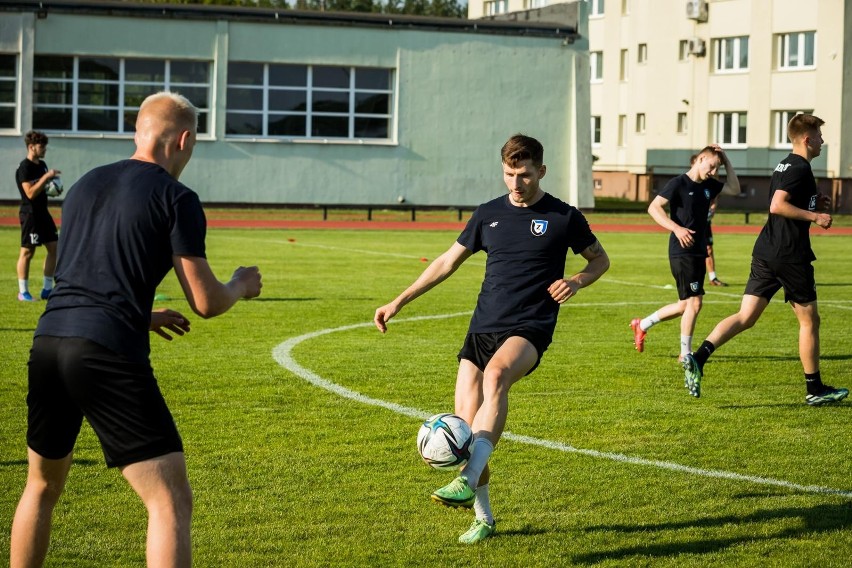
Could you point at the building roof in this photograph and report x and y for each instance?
(43, 8)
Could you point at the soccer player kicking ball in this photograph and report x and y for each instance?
(526, 235)
(782, 258)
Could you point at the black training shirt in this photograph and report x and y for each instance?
(786, 240)
(30, 172)
(121, 224)
(689, 203)
(526, 249)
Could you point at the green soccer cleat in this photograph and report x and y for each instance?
(829, 395)
(457, 494)
(692, 375)
(479, 530)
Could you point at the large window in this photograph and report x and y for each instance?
(8, 90)
(731, 54)
(797, 50)
(103, 94)
(596, 7)
(596, 61)
(730, 128)
(781, 119)
(682, 123)
(308, 101)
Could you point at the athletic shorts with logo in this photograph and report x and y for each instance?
(689, 272)
(36, 229)
(71, 378)
(797, 280)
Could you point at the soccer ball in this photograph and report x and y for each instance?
(444, 441)
(54, 187)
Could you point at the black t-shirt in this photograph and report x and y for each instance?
(689, 203)
(31, 172)
(786, 240)
(526, 249)
(121, 224)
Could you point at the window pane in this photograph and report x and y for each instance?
(809, 49)
(189, 71)
(130, 120)
(100, 94)
(287, 125)
(7, 91)
(196, 95)
(371, 103)
(793, 59)
(728, 47)
(53, 67)
(741, 131)
(334, 77)
(372, 79)
(7, 118)
(245, 73)
(288, 100)
(245, 99)
(202, 122)
(243, 123)
(51, 119)
(288, 75)
(135, 94)
(104, 120)
(52, 93)
(330, 101)
(145, 70)
(101, 68)
(330, 126)
(371, 128)
(7, 65)
(744, 53)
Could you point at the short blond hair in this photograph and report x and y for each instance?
(185, 112)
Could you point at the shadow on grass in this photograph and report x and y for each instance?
(821, 518)
(17, 329)
(262, 299)
(16, 463)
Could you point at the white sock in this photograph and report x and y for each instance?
(482, 505)
(712, 276)
(48, 282)
(480, 453)
(23, 286)
(650, 321)
(685, 344)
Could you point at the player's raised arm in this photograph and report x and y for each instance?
(439, 270)
(206, 295)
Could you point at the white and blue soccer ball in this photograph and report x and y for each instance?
(54, 188)
(444, 441)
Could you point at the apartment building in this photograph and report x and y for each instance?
(668, 77)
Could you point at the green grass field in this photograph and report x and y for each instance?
(610, 462)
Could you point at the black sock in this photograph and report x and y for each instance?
(703, 353)
(814, 383)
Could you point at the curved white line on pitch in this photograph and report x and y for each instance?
(282, 354)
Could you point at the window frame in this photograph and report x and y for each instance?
(720, 134)
(310, 114)
(596, 8)
(13, 104)
(624, 65)
(640, 123)
(596, 64)
(642, 53)
(596, 130)
(722, 46)
(682, 124)
(76, 85)
(783, 53)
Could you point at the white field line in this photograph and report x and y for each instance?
(283, 355)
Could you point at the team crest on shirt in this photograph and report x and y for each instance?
(812, 203)
(707, 193)
(694, 286)
(538, 227)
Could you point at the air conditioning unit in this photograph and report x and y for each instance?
(696, 10)
(696, 46)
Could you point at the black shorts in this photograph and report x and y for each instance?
(766, 278)
(689, 273)
(71, 377)
(36, 230)
(479, 348)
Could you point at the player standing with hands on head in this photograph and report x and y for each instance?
(125, 225)
(526, 235)
(37, 226)
(782, 258)
(688, 197)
